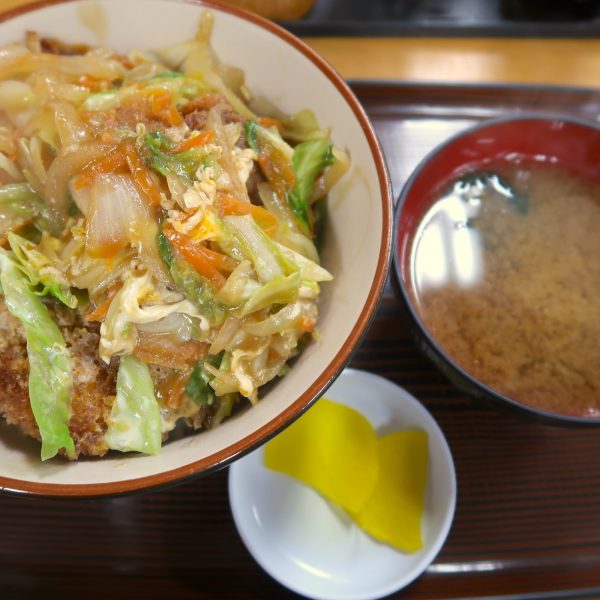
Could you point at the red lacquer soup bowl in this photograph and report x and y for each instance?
(497, 262)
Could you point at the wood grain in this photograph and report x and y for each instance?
(505, 60)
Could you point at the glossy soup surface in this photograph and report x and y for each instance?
(506, 276)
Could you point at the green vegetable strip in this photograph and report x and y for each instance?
(280, 290)
(21, 197)
(191, 284)
(309, 159)
(184, 164)
(250, 133)
(168, 75)
(135, 422)
(22, 200)
(32, 262)
(50, 366)
(197, 387)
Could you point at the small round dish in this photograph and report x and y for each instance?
(311, 546)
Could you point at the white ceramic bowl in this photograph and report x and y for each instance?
(301, 540)
(357, 248)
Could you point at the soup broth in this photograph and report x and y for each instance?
(505, 274)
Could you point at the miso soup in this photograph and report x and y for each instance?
(505, 271)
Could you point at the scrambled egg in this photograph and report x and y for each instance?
(194, 219)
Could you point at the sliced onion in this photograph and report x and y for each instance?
(142, 72)
(229, 329)
(276, 205)
(144, 239)
(167, 351)
(93, 66)
(37, 162)
(97, 276)
(69, 126)
(68, 163)
(286, 318)
(7, 165)
(175, 324)
(81, 197)
(111, 207)
(15, 96)
(118, 216)
(49, 86)
(224, 382)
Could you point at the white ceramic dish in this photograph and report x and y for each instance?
(281, 68)
(311, 547)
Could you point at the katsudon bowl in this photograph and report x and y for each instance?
(356, 246)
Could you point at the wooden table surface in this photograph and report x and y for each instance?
(527, 519)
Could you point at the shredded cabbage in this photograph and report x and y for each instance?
(135, 422)
(50, 365)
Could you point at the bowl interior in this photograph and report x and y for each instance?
(357, 242)
(571, 144)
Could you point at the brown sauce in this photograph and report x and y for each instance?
(506, 276)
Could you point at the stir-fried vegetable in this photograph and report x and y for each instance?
(197, 387)
(20, 205)
(181, 162)
(195, 288)
(310, 159)
(42, 274)
(50, 366)
(134, 422)
(155, 208)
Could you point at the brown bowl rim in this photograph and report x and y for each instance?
(332, 370)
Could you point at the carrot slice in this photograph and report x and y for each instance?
(142, 177)
(94, 84)
(163, 108)
(203, 102)
(122, 159)
(170, 390)
(229, 205)
(194, 142)
(269, 122)
(217, 259)
(276, 167)
(113, 162)
(165, 351)
(201, 258)
(99, 313)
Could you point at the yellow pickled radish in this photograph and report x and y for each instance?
(393, 512)
(331, 448)
(380, 482)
